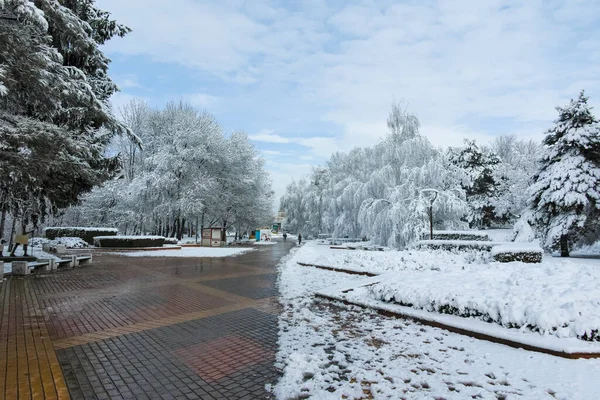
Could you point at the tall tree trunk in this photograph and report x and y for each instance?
(2, 221)
(181, 229)
(175, 227)
(13, 227)
(564, 246)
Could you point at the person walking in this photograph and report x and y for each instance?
(299, 239)
(284, 237)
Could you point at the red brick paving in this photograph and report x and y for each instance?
(222, 357)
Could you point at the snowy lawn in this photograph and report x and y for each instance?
(331, 351)
(189, 252)
(386, 261)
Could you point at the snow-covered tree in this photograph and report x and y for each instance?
(519, 162)
(566, 192)
(188, 175)
(55, 123)
(480, 186)
(292, 203)
(380, 192)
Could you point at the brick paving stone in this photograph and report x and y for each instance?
(254, 287)
(143, 328)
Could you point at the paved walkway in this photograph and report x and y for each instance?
(143, 328)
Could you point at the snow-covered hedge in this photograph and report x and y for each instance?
(68, 242)
(456, 245)
(523, 252)
(129, 241)
(558, 297)
(86, 234)
(458, 235)
(171, 240)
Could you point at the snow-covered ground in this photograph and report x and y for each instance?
(189, 252)
(559, 297)
(331, 351)
(385, 261)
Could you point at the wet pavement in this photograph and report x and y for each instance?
(143, 328)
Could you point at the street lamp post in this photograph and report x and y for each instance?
(431, 201)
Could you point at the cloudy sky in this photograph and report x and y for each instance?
(305, 78)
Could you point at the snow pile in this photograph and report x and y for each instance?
(499, 234)
(189, 252)
(560, 298)
(331, 351)
(516, 248)
(385, 261)
(523, 231)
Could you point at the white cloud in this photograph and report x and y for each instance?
(461, 66)
(120, 100)
(268, 136)
(127, 81)
(201, 100)
(282, 175)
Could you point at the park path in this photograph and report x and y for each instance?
(143, 328)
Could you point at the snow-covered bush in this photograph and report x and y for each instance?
(85, 233)
(455, 245)
(171, 240)
(517, 252)
(556, 298)
(457, 235)
(129, 241)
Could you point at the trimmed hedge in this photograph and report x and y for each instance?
(523, 256)
(457, 235)
(86, 234)
(129, 241)
(171, 241)
(451, 245)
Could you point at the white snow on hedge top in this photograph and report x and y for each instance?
(474, 243)
(516, 248)
(87, 229)
(473, 233)
(129, 237)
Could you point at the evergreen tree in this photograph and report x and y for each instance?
(566, 192)
(480, 185)
(55, 122)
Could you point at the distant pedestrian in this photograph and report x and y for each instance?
(299, 239)
(284, 237)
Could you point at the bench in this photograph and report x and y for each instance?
(49, 264)
(75, 261)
